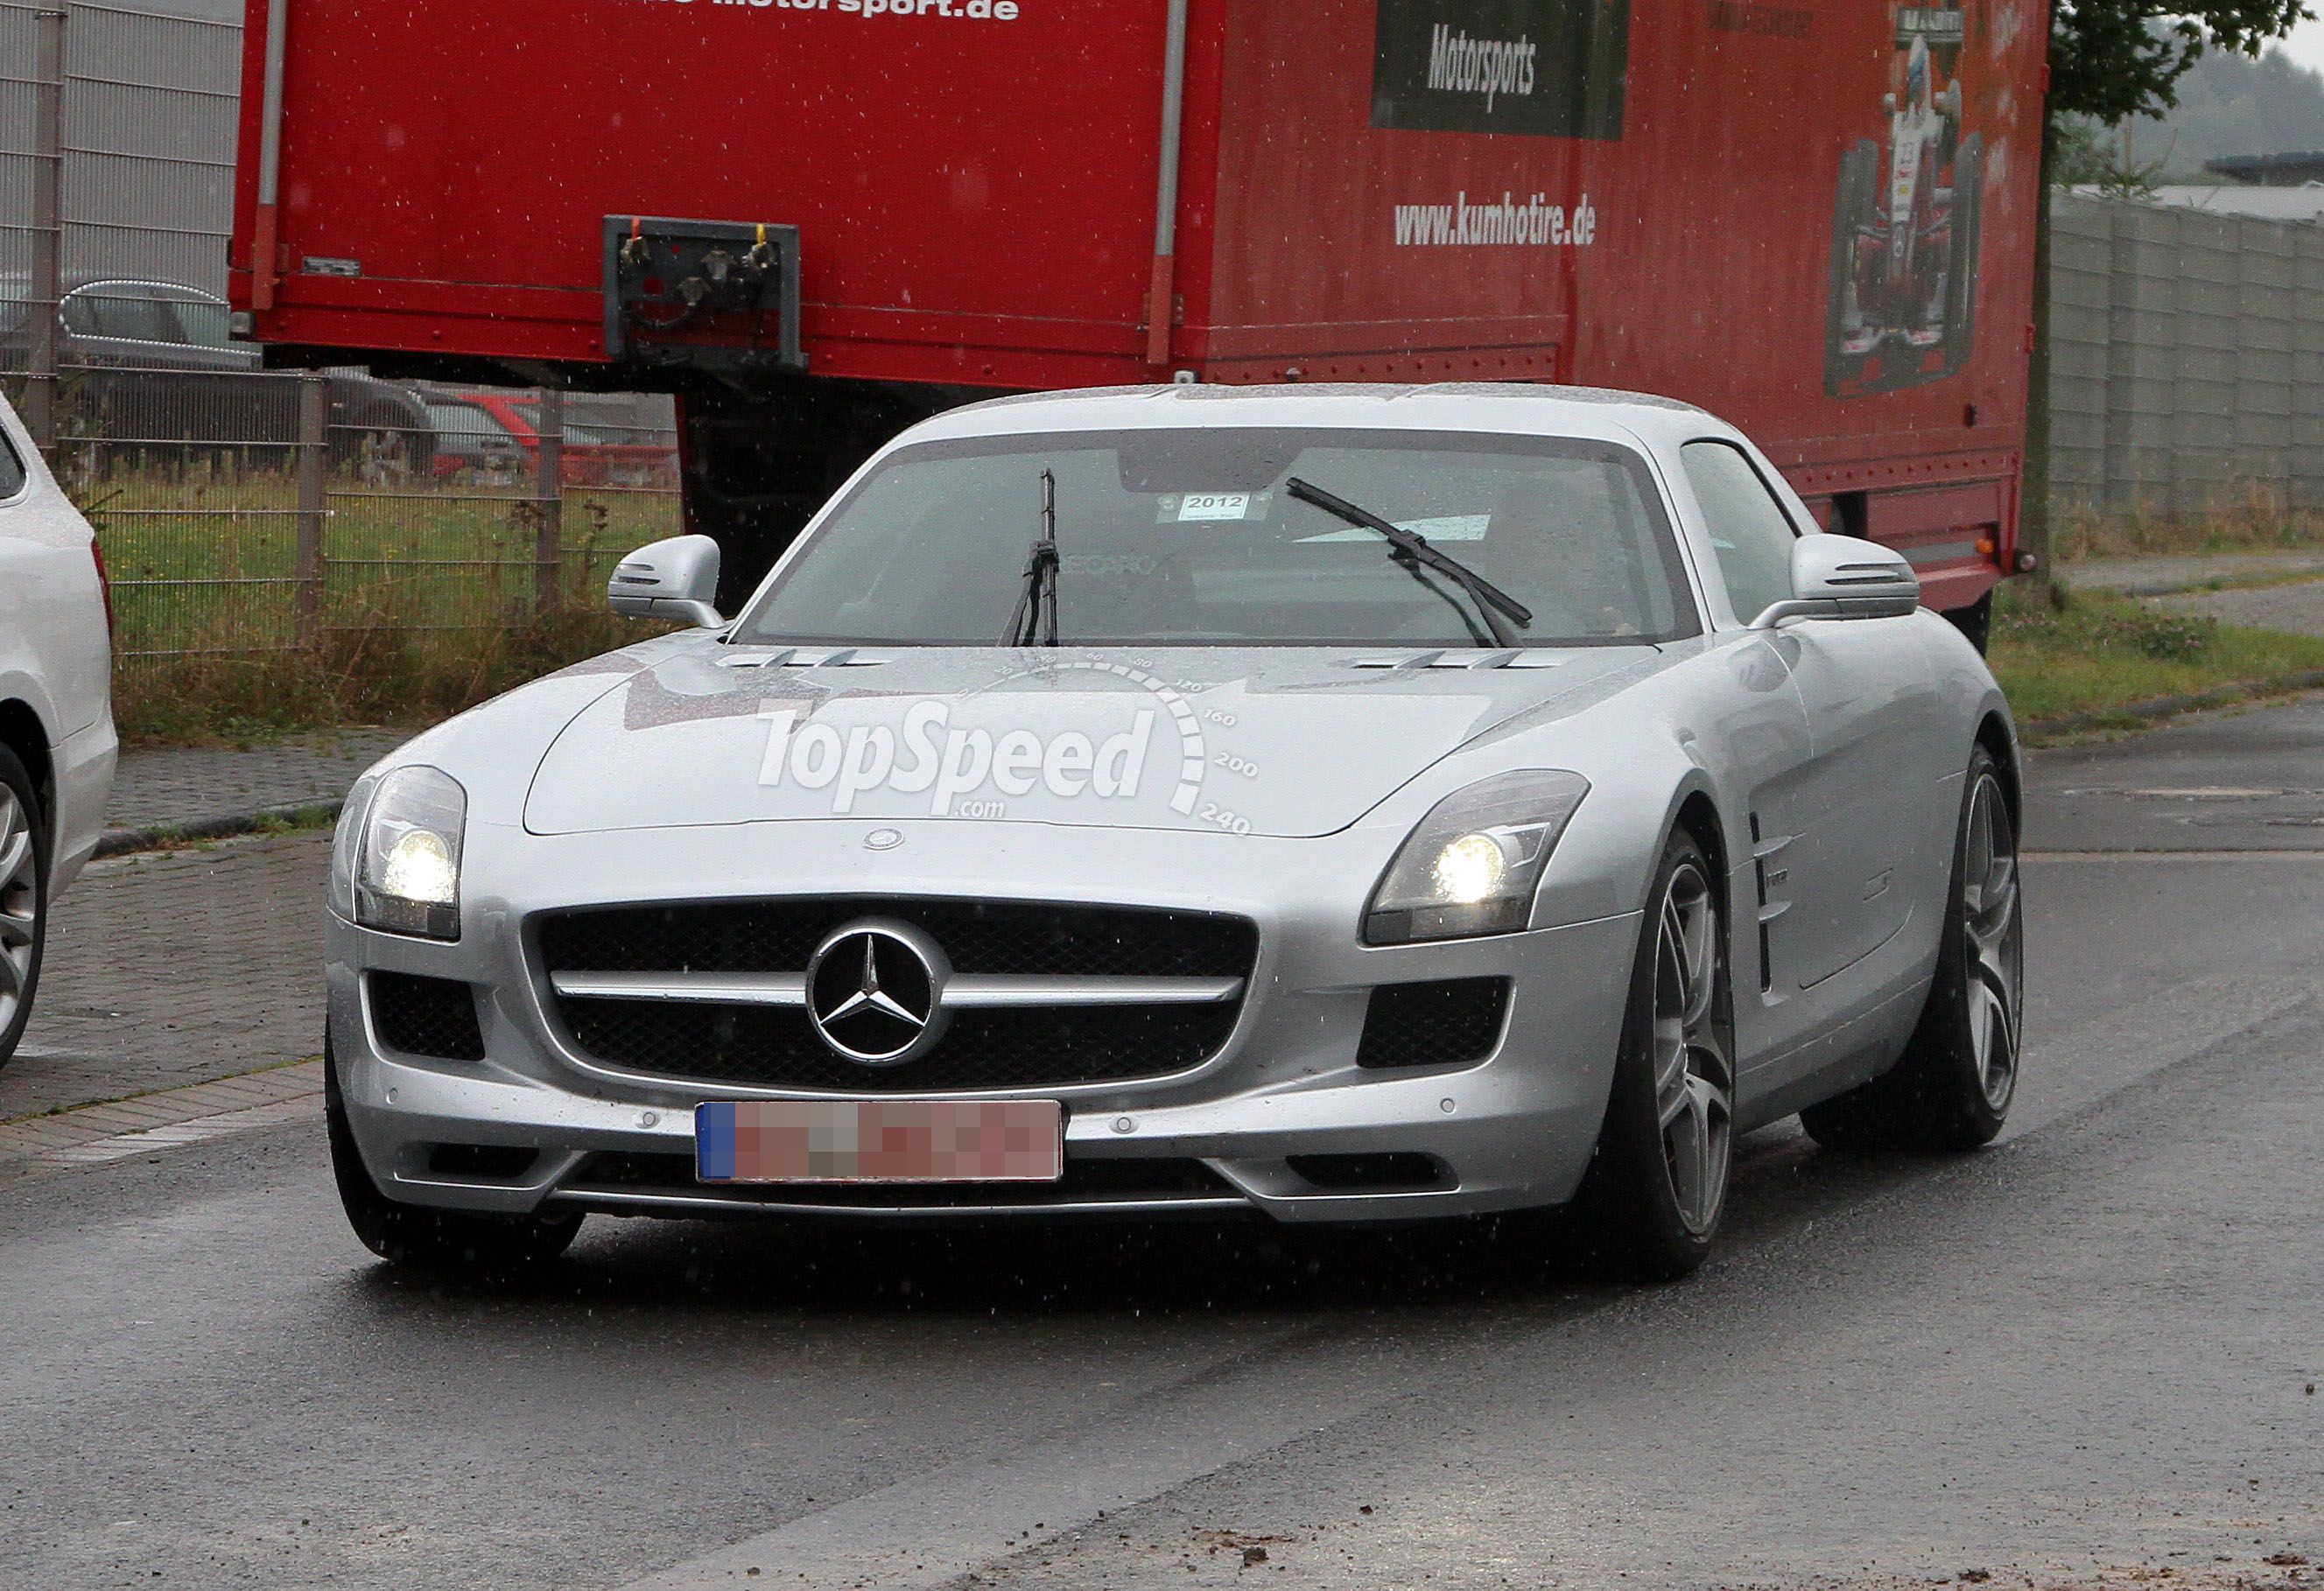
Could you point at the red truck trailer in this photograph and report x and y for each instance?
(817, 220)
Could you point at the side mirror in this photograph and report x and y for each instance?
(672, 579)
(1845, 577)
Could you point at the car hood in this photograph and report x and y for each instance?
(1266, 741)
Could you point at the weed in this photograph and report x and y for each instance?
(2094, 652)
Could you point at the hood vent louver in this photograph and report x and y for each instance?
(804, 658)
(1466, 659)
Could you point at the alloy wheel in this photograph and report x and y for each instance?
(1693, 1082)
(20, 903)
(1994, 934)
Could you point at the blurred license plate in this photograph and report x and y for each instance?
(880, 1141)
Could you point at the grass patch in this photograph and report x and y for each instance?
(2098, 652)
(2254, 522)
(430, 600)
(381, 675)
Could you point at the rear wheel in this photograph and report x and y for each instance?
(429, 1239)
(1656, 1192)
(23, 897)
(1952, 1087)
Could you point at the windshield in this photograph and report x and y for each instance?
(1189, 537)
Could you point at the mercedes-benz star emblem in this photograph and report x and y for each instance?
(875, 992)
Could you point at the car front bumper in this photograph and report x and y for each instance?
(1513, 1130)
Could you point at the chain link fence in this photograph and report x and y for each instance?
(246, 511)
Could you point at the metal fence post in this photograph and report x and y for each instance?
(45, 291)
(548, 526)
(313, 451)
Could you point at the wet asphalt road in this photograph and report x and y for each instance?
(2081, 1355)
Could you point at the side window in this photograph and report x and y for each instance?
(12, 468)
(1749, 527)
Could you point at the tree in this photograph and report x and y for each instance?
(2112, 58)
(2109, 60)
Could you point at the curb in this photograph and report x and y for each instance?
(2163, 707)
(161, 836)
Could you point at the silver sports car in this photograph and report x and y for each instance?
(1341, 803)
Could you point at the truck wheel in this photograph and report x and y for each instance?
(1652, 1200)
(23, 897)
(1975, 622)
(1952, 1087)
(485, 1246)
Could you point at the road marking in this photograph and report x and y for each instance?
(931, 1529)
(2221, 855)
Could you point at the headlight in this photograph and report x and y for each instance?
(405, 853)
(1472, 865)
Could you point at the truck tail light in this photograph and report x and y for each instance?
(104, 585)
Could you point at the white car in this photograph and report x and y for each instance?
(57, 740)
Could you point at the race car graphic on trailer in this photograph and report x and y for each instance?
(1904, 227)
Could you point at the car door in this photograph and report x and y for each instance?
(1873, 716)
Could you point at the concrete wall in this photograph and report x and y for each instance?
(2185, 368)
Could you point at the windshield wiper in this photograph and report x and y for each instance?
(1415, 551)
(1037, 604)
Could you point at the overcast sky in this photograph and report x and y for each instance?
(2306, 45)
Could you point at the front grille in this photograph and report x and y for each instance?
(1017, 1048)
(434, 1017)
(1451, 1022)
(977, 936)
(1108, 1179)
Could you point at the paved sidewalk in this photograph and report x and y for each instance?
(2299, 609)
(178, 786)
(154, 1123)
(175, 969)
(2153, 576)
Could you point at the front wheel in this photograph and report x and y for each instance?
(484, 1245)
(1952, 1087)
(1657, 1187)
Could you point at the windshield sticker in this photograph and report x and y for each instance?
(1450, 528)
(1194, 505)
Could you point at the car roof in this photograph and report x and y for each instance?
(1493, 407)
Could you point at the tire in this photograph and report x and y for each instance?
(23, 897)
(485, 1246)
(1975, 622)
(1961, 284)
(1952, 1087)
(1651, 1202)
(1855, 196)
